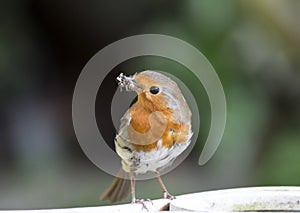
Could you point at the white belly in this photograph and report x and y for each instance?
(159, 159)
(155, 160)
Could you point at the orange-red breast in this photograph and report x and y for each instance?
(153, 131)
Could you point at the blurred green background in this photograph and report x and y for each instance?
(253, 45)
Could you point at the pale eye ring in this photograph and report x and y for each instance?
(154, 90)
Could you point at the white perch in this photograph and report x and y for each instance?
(252, 199)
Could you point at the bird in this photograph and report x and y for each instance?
(153, 132)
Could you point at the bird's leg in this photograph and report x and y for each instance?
(167, 195)
(134, 200)
(132, 181)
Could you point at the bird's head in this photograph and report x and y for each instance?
(156, 92)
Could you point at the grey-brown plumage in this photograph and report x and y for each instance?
(119, 189)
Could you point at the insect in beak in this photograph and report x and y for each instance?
(128, 83)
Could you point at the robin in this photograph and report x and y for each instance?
(153, 132)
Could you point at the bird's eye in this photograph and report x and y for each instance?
(154, 90)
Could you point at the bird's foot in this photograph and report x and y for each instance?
(142, 201)
(167, 195)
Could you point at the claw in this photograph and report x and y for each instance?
(167, 195)
(142, 201)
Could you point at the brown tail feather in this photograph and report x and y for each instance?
(119, 189)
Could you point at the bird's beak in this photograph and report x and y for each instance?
(128, 83)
